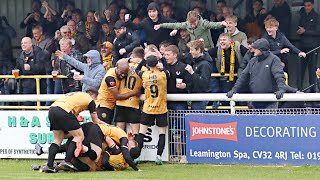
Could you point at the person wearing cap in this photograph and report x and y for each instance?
(155, 103)
(154, 17)
(124, 42)
(264, 74)
(106, 54)
(106, 33)
(93, 69)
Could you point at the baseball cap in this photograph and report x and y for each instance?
(107, 44)
(118, 25)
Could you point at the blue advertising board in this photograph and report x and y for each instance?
(263, 139)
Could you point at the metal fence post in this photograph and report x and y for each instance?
(233, 107)
(38, 91)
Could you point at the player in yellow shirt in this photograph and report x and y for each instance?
(129, 148)
(155, 103)
(63, 118)
(127, 110)
(109, 91)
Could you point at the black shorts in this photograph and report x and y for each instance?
(127, 115)
(95, 135)
(105, 114)
(61, 120)
(161, 119)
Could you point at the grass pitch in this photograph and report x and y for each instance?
(21, 169)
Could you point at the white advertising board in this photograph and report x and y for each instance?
(21, 130)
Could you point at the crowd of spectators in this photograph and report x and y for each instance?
(194, 44)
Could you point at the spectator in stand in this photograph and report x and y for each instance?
(309, 32)
(247, 56)
(48, 47)
(93, 69)
(7, 28)
(200, 72)
(255, 18)
(177, 71)
(92, 29)
(111, 13)
(80, 40)
(232, 29)
(6, 60)
(32, 19)
(63, 86)
(196, 26)
(228, 57)
(106, 54)
(279, 44)
(152, 36)
(77, 18)
(220, 5)
(124, 43)
(30, 62)
(228, 11)
(123, 11)
(52, 22)
(264, 74)
(184, 52)
(163, 45)
(202, 6)
(281, 11)
(167, 10)
(106, 33)
(67, 11)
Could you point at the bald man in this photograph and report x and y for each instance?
(109, 91)
(30, 62)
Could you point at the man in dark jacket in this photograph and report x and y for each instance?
(309, 31)
(30, 62)
(264, 74)
(124, 43)
(200, 72)
(281, 11)
(153, 36)
(6, 64)
(279, 44)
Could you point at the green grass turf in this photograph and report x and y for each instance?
(21, 169)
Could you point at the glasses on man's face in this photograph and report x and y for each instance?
(66, 32)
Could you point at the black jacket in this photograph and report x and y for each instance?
(283, 15)
(311, 23)
(200, 79)
(129, 41)
(36, 61)
(264, 74)
(5, 51)
(279, 43)
(177, 70)
(153, 36)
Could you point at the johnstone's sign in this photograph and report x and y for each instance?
(21, 130)
(267, 139)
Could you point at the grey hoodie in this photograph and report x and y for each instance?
(93, 73)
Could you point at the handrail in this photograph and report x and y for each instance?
(190, 97)
(37, 78)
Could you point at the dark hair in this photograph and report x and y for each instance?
(221, 1)
(252, 39)
(311, 1)
(92, 91)
(260, 1)
(76, 11)
(138, 52)
(165, 43)
(135, 152)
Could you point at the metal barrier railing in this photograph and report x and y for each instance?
(37, 78)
